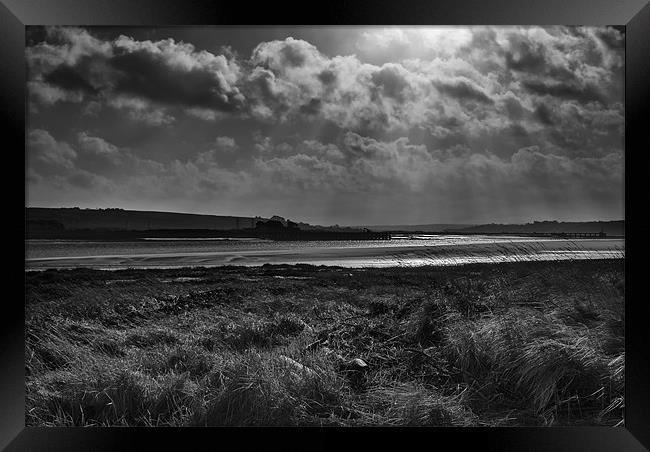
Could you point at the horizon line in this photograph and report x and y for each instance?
(344, 225)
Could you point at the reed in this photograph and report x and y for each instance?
(505, 343)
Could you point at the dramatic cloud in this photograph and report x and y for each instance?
(46, 155)
(163, 72)
(291, 79)
(140, 110)
(431, 124)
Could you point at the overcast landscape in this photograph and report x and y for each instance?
(398, 226)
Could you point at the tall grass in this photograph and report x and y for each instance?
(520, 343)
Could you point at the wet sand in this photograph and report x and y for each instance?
(360, 256)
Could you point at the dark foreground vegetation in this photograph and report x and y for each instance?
(538, 343)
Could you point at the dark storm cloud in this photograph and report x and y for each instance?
(312, 107)
(613, 38)
(327, 76)
(165, 73)
(68, 78)
(571, 63)
(543, 113)
(464, 90)
(285, 79)
(391, 81)
(581, 93)
(535, 61)
(148, 75)
(523, 57)
(513, 107)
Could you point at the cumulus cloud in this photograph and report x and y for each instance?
(141, 110)
(72, 65)
(174, 73)
(364, 164)
(45, 154)
(454, 184)
(419, 118)
(453, 93)
(96, 165)
(99, 150)
(54, 171)
(47, 94)
(291, 80)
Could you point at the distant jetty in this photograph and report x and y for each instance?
(571, 235)
(576, 229)
(562, 235)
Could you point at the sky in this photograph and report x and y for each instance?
(330, 125)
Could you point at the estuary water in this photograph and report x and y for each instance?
(399, 251)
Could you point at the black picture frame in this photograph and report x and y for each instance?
(633, 14)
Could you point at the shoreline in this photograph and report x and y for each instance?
(308, 266)
(329, 264)
(386, 255)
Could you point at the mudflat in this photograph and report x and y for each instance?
(444, 251)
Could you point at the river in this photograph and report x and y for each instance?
(412, 250)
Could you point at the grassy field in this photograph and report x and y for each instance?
(537, 343)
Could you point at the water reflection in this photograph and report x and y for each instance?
(408, 251)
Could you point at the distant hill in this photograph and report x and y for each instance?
(60, 222)
(39, 218)
(120, 223)
(611, 228)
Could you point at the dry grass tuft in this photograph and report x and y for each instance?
(537, 343)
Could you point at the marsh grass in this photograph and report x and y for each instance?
(523, 343)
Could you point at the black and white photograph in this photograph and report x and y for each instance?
(322, 226)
